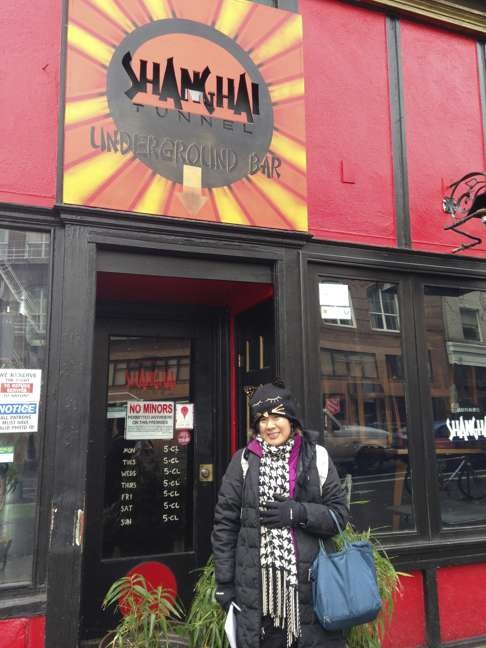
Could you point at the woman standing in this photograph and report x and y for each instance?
(272, 510)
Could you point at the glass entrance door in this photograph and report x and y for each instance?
(151, 435)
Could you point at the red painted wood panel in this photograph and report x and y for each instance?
(37, 632)
(22, 633)
(408, 625)
(30, 34)
(462, 601)
(348, 123)
(444, 127)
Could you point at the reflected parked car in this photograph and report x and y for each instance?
(365, 446)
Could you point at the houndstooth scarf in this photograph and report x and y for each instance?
(277, 554)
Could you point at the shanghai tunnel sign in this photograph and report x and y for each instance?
(186, 109)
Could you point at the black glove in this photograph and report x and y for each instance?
(224, 595)
(283, 512)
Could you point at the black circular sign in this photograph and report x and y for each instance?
(166, 139)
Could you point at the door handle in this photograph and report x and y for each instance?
(206, 472)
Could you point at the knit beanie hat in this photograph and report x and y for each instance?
(273, 398)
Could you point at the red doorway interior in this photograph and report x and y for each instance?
(236, 296)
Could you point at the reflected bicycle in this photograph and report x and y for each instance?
(458, 477)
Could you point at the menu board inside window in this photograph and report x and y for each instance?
(148, 464)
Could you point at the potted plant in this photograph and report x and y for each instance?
(205, 621)
(150, 617)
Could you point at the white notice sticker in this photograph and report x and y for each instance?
(19, 400)
(184, 416)
(149, 420)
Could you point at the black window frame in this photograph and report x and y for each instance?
(429, 542)
(289, 5)
(28, 598)
(473, 531)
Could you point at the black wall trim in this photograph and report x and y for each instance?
(144, 264)
(290, 5)
(395, 260)
(25, 216)
(399, 144)
(474, 642)
(70, 438)
(482, 85)
(432, 620)
(25, 605)
(144, 224)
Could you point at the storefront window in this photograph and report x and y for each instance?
(455, 320)
(24, 268)
(363, 400)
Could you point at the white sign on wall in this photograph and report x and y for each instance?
(184, 416)
(149, 420)
(19, 400)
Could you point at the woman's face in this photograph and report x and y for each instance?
(275, 430)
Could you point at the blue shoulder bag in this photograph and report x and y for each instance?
(344, 585)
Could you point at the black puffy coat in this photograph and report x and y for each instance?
(236, 540)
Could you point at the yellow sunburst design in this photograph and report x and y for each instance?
(110, 8)
(231, 17)
(228, 208)
(287, 36)
(287, 90)
(154, 197)
(290, 150)
(89, 44)
(85, 178)
(78, 111)
(294, 209)
(157, 9)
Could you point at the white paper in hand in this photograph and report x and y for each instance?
(230, 624)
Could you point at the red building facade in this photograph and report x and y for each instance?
(337, 273)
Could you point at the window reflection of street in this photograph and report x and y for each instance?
(363, 399)
(455, 331)
(24, 280)
(363, 386)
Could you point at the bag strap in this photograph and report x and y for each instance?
(336, 522)
(338, 526)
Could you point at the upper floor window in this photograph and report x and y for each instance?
(470, 324)
(36, 245)
(336, 304)
(383, 303)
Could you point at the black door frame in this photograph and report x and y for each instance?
(209, 327)
(87, 234)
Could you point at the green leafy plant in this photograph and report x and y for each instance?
(150, 617)
(205, 621)
(370, 635)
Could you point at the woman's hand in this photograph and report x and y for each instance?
(283, 512)
(224, 595)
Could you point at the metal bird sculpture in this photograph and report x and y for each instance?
(466, 200)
